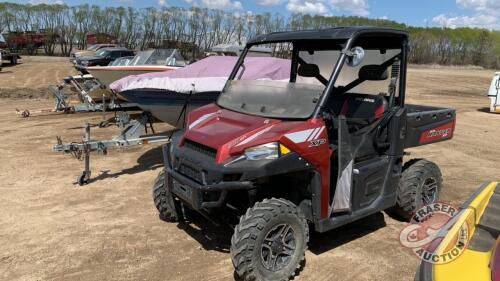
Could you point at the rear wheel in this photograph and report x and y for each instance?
(170, 210)
(270, 241)
(420, 185)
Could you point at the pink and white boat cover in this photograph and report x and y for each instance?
(207, 75)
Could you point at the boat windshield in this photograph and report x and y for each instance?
(168, 57)
(293, 98)
(102, 53)
(123, 61)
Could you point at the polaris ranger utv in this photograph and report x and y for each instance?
(324, 148)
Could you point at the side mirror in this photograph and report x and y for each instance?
(355, 56)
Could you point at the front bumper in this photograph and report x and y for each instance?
(199, 195)
(203, 184)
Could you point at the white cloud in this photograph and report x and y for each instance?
(307, 7)
(485, 15)
(269, 2)
(355, 7)
(478, 20)
(219, 4)
(162, 2)
(321, 7)
(482, 6)
(48, 2)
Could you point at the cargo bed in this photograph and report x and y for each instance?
(428, 124)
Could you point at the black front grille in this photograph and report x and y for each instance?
(190, 173)
(203, 149)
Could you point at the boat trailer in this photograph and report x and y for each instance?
(133, 133)
(84, 85)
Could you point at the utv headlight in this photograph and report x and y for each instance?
(261, 152)
(266, 151)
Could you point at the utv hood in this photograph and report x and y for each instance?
(230, 133)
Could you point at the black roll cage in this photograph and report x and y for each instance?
(330, 86)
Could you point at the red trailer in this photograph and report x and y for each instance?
(27, 39)
(100, 38)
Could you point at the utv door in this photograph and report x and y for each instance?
(369, 164)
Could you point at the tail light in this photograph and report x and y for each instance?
(495, 263)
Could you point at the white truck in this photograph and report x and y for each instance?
(494, 93)
(5, 54)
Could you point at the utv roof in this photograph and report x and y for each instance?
(326, 34)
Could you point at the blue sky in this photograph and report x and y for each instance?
(450, 13)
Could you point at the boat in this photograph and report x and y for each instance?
(166, 94)
(477, 223)
(157, 60)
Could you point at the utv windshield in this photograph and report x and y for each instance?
(376, 72)
(270, 98)
(292, 98)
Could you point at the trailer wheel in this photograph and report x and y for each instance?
(170, 210)
(270, 241)
(420, 184)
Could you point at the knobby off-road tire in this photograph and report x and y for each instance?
(420, 184)
(169, 209)
(270, 226)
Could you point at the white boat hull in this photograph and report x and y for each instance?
(109, 74)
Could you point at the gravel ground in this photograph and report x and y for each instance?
(51, 229)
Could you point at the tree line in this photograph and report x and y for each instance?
(67, 26)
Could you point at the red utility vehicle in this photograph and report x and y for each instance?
(322, 149)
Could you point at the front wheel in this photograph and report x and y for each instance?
(270, 241)
(169, 209)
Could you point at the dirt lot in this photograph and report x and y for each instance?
(51, 229)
